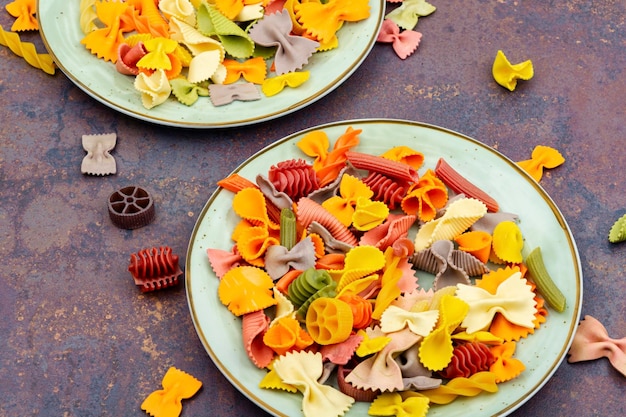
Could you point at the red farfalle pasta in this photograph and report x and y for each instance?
(468, 359)
(404, 43)
(294, 177)
(374, 163)
(461, 185)
(388, 190)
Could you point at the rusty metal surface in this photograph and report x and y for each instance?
(78, 339)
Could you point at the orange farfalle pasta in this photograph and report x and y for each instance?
(24, 12)
(542, 157)
(104, 42)
(506, 367)
(425, 197)
(246, 289)
(322, 20)
(286, 335)
(149, 12)
(476, 243)
(167, 402)
(328, 163)
(252, 70)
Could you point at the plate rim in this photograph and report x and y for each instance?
(576, 307)
(250, 120)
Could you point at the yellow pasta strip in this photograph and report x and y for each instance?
(27, 51)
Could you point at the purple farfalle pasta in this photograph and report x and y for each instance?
(221, 94)
(292, 52)
(294, 177)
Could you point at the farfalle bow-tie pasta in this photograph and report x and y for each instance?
(188, 47)
(315, 289)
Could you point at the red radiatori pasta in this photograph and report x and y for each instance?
(386, 189)
(468, 359)
(154, 268)
(310, 211)
(295, 177)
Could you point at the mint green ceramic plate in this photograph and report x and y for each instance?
(541, 222)
(61, 33)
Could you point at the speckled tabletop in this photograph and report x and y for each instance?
(78, 339)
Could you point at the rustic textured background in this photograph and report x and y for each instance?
(78, 339)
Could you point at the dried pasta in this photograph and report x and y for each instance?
(27, 51)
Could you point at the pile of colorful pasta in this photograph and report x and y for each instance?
(193, 48)
(324, 274)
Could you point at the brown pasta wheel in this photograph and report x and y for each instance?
(131, 207)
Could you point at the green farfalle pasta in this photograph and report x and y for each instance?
(211, 22)
(287, 228)
(544, 282)
(186, 92)
(618, 230)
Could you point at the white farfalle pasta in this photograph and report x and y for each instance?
(302, 370)
(204, 66)
(421, 323)
(154, 89)
(514, 299)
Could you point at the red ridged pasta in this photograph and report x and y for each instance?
(154, 268)
(294, 177)
(461, 185)
(390, 168)
(310, 211)
(386, 189)
(468, 359)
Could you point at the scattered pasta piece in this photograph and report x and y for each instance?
(618, 230)
(542, 157)
(542, 278)
(465, 387)
(461, 185)
(154, 268)
(507, 242)
(392, 404)
(407, 15)
(458, 217)
(177, 386)
(505, 367)
(404, 43)
(98, 160)
(436, 349)
(24, 12)
(274, 85)
(225, 94)
(27, 51)
(246, 289)
(592, 342)
(302, 369)
(513, 298)
(292, 52)
(507, 74)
